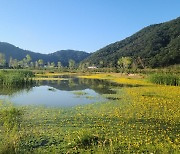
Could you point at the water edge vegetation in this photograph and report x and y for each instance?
(144, 119)
(9, 78)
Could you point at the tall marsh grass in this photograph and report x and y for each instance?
(165, 79)
(10, 78)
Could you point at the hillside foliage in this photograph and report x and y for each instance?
(154, 46)
(63, 56)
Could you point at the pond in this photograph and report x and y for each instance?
(67, 92)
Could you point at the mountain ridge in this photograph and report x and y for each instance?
(15, 52)
(156, 45)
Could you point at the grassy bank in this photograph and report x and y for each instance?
(10, 78)
(140, 119)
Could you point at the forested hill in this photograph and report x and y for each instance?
(154, 46)
(63, 56)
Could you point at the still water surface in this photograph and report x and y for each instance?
(63, 93)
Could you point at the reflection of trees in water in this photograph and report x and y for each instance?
(59, 82)
(70, 84)
(100, 86)
(14, 90)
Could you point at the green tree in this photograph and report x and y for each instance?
(59, 65)
(52, 64)
(48, 64)
(10, 62)
(87, 64)
(14, 63)
(40, 62)
(124, 62)
(31, 64)
(71, 64)
(2, 60)
(24, 62)
(110, 65)
(28, 59)
(101, 63)
(21, 63)
(82, 66)
(36, 64)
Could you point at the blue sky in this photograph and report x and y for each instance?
(46, 26)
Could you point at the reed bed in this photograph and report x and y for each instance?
(9, 78)
(165, 79)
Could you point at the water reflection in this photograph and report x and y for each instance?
(67, 92)
(71, 84)
(13, 90)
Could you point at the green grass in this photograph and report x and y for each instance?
(165, 79)
(9, 78)
(10, 124)
(135, 120)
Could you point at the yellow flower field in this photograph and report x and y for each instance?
(141, 118)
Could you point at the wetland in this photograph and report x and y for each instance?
(89, 113)
(67, 92)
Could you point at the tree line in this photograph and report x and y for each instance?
(27, 62)
(123, 64)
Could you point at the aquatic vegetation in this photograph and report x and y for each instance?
(165, 79)
(10, 78)
(85, 140)
(137, 119)
(47, 78)
(10, 118)
(10, 126)
(121, 79)
(79, 93)
(90, 97)
(51, 75)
